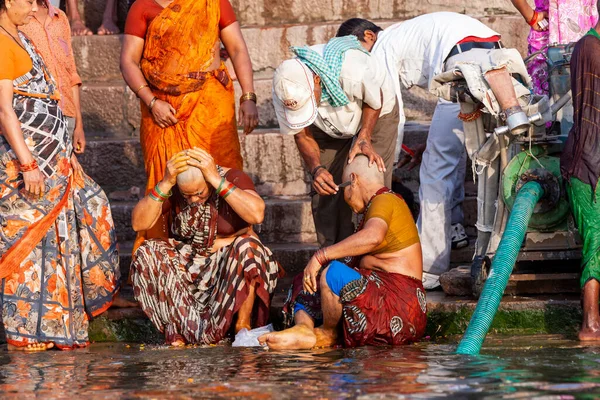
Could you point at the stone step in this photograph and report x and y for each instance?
(287, 220)
(97, 57)
(110, 108)
(272, 160)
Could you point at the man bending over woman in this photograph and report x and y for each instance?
(376, 296)
(213, 268)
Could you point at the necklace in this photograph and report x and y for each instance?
(14, 38)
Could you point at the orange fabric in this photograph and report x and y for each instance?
(53, 42)
(142, 12)
(402, 231)
(11, 260)
(14, 61)
(174, 54)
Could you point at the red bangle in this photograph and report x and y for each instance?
(154, 193)
(321, 257)
(225, 189)
(29, 167)
(533, 20)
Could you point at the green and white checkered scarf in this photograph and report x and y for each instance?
(329, 66)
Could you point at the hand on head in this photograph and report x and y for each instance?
(200, 158)
(176, 165)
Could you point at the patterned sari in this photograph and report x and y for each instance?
(177, 51)
(59, 264)
(188, 290)
(569, 20)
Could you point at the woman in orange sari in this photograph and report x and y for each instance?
(170, 59)
(59, 264)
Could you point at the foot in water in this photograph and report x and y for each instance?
(326, 338)
(298, 337)
(587, 334)
(32, 347)
(178, 341)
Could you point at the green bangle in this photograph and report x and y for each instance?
(153, 197)
(161, 194)
(220, 185)
(229, 192)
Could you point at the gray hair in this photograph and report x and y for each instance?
(360, 167)
(190, 176)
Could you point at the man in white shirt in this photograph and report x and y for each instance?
(414, 52)
(330, 136)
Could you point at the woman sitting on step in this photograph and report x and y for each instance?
(193, 285)
(377, 298)
(58, 255)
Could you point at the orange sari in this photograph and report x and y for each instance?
(178, 50)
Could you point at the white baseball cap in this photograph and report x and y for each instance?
(293, 94)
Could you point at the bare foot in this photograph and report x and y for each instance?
(121, 302)
(32, 347)
(78, 28)
(589, 334)
(325, 337)
(241, 325)
(108, 27)
(178, 341)
(297, 337)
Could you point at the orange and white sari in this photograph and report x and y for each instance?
(177, 51)
(58, 253)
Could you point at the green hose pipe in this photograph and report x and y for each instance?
(502, 267)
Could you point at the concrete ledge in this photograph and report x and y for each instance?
(446, 317)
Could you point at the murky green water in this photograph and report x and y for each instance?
(524, 367)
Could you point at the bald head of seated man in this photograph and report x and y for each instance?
(376, 294)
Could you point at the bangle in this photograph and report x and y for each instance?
(321, 257)
(533, 19)
(161, 194)
(233, 187)
(145, 85)
(152, 103)
(221, 185)
(248, 96)
(29, 167)
(314, 171)
(225, 189)
(155, 198)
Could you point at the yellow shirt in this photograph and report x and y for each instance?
(402, 231)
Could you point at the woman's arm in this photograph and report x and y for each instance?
(362, 242)
(234, 43)
(527, 12)
(147, 211)
(11, 129)
(246, 203)
(131, 55)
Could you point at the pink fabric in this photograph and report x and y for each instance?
(569, 20)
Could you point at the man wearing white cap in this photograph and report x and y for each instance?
(337, 101)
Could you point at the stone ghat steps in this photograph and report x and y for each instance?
(272, 160)
(97, 57)
(111, 109)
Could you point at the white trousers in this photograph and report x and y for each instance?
(441, 190)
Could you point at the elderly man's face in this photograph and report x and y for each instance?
(197, 192)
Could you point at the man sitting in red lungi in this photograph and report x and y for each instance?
(376, 296)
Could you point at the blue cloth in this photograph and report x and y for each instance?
(329, 66)
(339, 275)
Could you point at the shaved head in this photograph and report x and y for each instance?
(360, 167)
(191, 177)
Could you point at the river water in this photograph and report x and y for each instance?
(529, 367)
